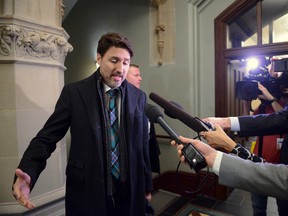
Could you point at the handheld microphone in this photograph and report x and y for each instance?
(194, 123)
(154, 115)
(193, 157)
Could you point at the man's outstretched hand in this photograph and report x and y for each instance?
(21, 189)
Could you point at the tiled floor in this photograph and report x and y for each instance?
(238, 204)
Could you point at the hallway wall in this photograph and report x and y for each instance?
(189, 81)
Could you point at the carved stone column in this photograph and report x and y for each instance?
(33, 47)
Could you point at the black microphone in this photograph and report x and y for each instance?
(194, 123)
(154, 115)
(170, 114)
(193, 157)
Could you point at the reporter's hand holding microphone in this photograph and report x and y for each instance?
(208, 152)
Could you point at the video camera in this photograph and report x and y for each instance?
(281, 65)
(248, 88)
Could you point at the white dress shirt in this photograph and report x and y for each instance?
(235, 126)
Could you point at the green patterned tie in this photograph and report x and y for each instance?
(113, 114)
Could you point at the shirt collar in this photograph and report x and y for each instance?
(106, 88)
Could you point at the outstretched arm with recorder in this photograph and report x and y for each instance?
(261, 178)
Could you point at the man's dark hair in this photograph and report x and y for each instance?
(113, 39)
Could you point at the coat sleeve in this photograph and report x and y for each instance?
(260, 178)
(264, 124)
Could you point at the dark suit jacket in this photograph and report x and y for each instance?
(80, 107)
(267, 124)
(264, 124)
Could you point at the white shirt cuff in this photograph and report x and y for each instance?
(217, 162)
(235, 126)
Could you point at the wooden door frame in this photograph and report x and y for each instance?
(220, 24)
(222, 54)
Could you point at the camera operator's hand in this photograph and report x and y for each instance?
(265, 93)
(271, 69)
(268, 97)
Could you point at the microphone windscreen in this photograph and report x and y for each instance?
(152, 112)
(177, 113)
(171, 114)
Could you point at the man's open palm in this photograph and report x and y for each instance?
(21, 189)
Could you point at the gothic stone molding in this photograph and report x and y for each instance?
(23, 43)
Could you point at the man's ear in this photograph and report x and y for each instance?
(98, 59)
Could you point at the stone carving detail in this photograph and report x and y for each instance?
(30, 44)
(160, 29)
(7, 38)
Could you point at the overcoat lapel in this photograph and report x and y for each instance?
(131, 98)
(90, 97)
(91, 100)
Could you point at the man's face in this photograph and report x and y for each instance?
(114, 66)
(134, 76)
